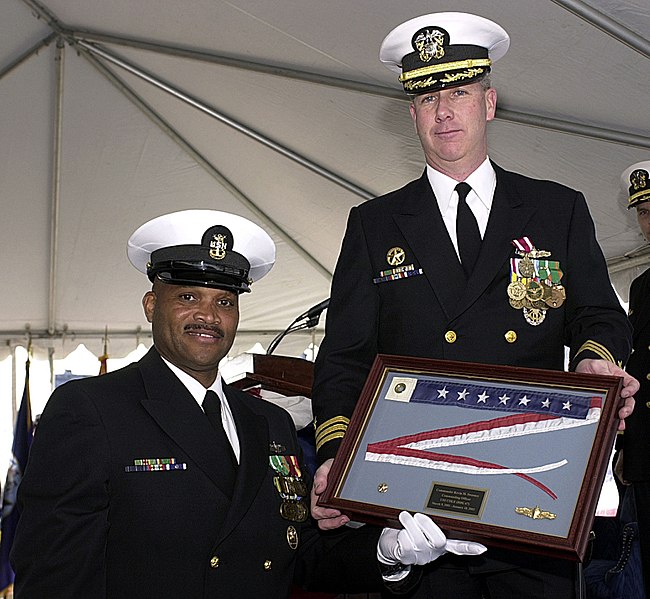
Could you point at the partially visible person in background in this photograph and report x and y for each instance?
(636, 437)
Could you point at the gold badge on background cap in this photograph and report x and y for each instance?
(639, 179)
(218, 247)
(395, 256)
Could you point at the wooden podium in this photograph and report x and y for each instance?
(280, 374)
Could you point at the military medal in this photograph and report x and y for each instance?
(534, 291)
(526, 267)
(555, 297)
(290, 486)
(516, 290)
(535, 283)
(296, 511)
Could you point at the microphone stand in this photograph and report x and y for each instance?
(306, 320)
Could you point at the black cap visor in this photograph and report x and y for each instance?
(181, 272)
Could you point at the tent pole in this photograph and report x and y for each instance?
(56, 184)
(23, 57)
(206, 164)
(607, 25)
(13, 384)
(213, 112)
(504, 114)
(621, 263)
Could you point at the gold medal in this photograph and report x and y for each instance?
(516, 304)
(526, 267)
(516, 290)
(296, 511)
(556, 296)
(534, 291)
(298, 486)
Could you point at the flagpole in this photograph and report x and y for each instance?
(14, 378)
(103, 359)
(23, 435)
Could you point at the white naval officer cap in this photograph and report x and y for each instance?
(636, 182)
(207, 248)
(443, 50)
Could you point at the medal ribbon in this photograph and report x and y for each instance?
(524, 245)
(279, 464)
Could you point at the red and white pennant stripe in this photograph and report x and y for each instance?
(413, 450)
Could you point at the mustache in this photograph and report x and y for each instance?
(210, 328)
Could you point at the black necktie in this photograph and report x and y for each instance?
(212, 409)
(467, 232)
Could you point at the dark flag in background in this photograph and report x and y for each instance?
(103, 363)
(23, 434)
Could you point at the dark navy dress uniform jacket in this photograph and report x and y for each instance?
(439, 314)
(90, 529)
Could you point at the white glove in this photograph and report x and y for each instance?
(419, 542)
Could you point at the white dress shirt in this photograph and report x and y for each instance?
(483, 182)
(197, 390)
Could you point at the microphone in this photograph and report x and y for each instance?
(311, 318)
(315, 310)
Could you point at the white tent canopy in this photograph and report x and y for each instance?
(116, 112)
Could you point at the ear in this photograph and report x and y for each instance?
(149, 305)
(414, 115)
(490, 103)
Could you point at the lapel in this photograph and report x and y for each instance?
(174, 409)
(421, 223)
(641, 317)
(509, 217)
(253, 433)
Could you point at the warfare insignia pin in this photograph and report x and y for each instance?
(395, 256)
(535, 513)
(276, 448)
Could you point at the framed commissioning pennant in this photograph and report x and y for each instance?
(512, 457)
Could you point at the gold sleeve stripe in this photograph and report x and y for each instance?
(334, 428)
(331, 429)
(598, 349)
(326, 439)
